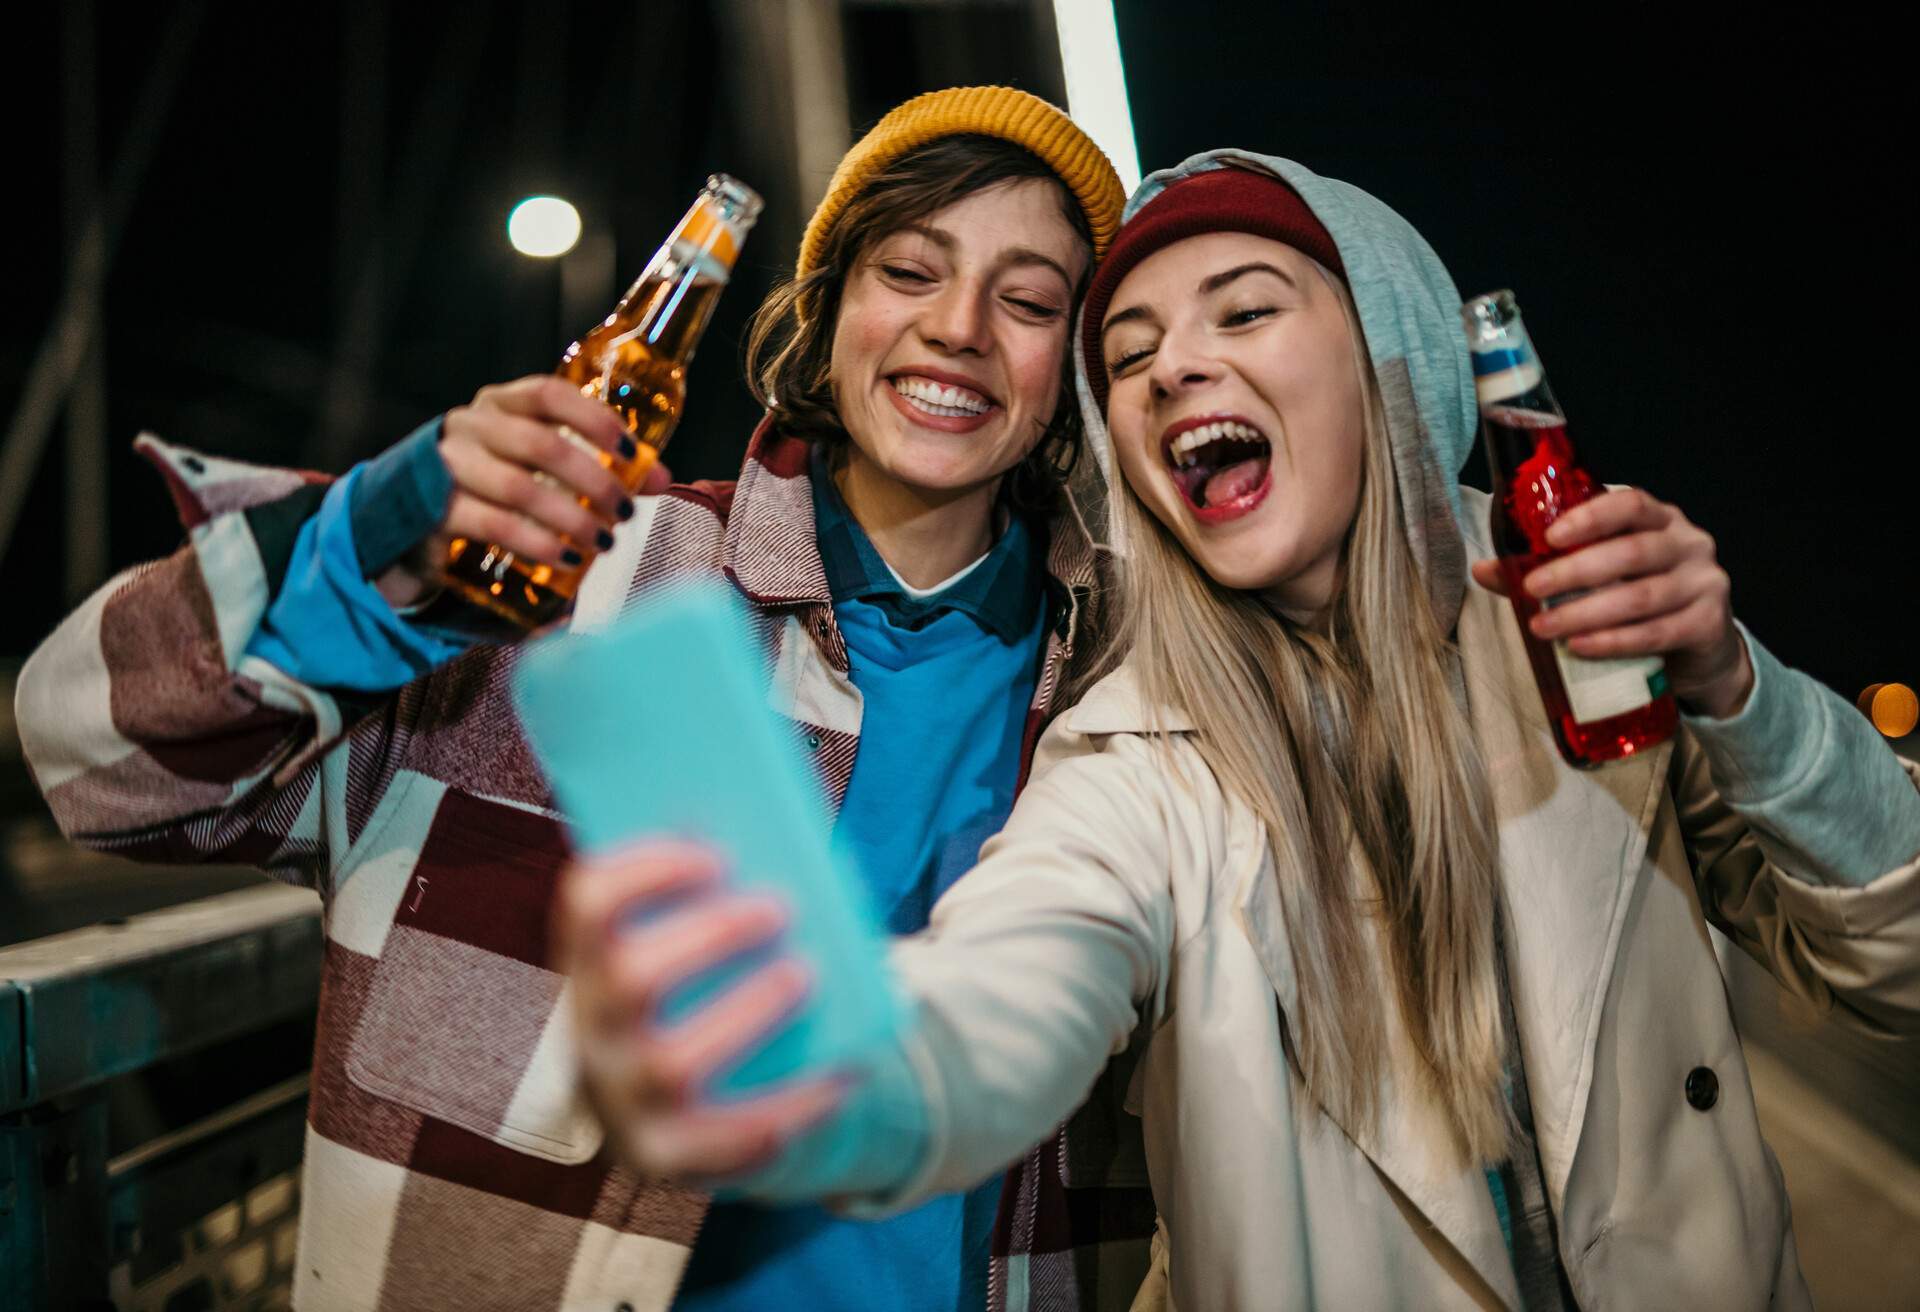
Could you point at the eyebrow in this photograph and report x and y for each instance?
(1207, 287)
(1219, 280)
(1014, 256)
(1127, 315)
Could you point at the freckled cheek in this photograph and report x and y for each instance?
(1035, 391)
(861, 341)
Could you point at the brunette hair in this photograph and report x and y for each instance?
(790, 341)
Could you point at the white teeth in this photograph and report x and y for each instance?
(1193, 439)
(935, 399)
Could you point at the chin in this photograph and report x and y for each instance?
(913, 463)
(1248, 560)
(1251, 562)
(936, 475)
(1240, 571)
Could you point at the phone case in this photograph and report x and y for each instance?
(659, 725)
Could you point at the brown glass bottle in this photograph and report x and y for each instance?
(636, 361)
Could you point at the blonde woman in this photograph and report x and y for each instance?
(1425, 1018)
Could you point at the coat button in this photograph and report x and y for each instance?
(1703, 1088)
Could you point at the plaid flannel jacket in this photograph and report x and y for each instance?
(449, 1159)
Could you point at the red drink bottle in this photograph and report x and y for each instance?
(1600, 710)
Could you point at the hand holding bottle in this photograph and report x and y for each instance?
(634, 362)
(529, 473)
(1653, 586)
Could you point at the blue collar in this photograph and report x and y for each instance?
(1001, 594)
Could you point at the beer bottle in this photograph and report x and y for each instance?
(1600, 710)
(636, 361)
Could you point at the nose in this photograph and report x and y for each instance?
(956, 320)
(1180, 367)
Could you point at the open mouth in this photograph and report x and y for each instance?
(941, 400)
(1220, 465)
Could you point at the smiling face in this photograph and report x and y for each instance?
(1237, 412)
(947, 350)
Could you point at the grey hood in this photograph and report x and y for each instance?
(1409, 311)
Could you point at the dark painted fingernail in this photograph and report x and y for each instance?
(626, 507)
(627, 448)
(570, 556)
(605, 539)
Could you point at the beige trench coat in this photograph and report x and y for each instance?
(1123, 904)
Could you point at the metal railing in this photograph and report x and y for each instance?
(214, 1201)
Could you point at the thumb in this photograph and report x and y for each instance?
(1488, 575)
(658, 480)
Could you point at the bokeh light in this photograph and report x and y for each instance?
(543, 226)
(1893, 707)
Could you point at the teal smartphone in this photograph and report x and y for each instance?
(659, 726)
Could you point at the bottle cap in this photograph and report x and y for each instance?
(719, 220)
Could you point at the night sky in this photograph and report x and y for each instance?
(1703, 226)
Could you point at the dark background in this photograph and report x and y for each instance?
(1706, 226)
(1707, 220)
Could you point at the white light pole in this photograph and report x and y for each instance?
(1096, 81)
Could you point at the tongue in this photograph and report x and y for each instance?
(1235, 480)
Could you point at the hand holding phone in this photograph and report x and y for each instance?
(709, 762)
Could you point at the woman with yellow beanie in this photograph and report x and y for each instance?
(898, 526)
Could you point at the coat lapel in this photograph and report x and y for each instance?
(1412, 1144)
(1572, 850)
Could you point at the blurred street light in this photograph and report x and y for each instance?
(543, 226)
(1893, 708)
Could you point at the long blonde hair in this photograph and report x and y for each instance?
(1351, 738)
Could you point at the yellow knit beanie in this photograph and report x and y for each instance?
(1001, 112)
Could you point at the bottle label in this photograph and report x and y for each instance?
(1601, 689)
(703, 234)
(1502, 374)
(700, 261)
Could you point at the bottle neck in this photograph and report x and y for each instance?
(675, 295)
(1506, 371)
(669, 307)
(706, 241)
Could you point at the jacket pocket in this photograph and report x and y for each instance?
(464, 1022)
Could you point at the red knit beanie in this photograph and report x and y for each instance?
(1219, 200)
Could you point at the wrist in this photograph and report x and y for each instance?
(404, 585)
(400, 499)
(1724, 695)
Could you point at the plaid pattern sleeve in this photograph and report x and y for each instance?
(450, 1160)
(148, 729)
